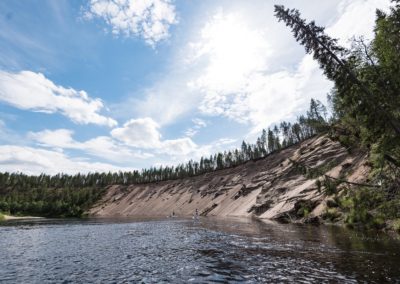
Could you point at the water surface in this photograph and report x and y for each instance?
(181, 251)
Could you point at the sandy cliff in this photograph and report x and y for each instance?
(274, 187)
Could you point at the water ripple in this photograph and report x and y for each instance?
(180, 251)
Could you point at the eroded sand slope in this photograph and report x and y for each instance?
(270, 188)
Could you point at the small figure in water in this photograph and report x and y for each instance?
(172, 215)
(196, 215)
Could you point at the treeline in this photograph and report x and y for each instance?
(70, 195)
(50, 202)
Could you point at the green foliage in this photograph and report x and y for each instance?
(361, 218)
(331, 214)
(2, 217)
(324, 49)
(391, 208)
(303, 208)
(54, 202)
(303, 212)
(330, 186)
(364, 208)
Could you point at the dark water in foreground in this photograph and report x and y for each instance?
(179, 251)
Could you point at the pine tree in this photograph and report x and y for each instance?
(331, 58)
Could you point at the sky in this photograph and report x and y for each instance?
(110, 85)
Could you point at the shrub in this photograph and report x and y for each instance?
(331, 214)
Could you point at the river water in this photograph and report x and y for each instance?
(183, 251)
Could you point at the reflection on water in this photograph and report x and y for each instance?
(180, 251)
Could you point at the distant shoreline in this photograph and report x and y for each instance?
(9, 217)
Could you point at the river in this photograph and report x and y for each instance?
(183, 251)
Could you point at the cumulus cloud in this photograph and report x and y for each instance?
(169, 151)
(126, 143)
(33, 91)
(145, 133)
(36, 161)
(101, 146)
(59, 138)
(141, 132)
(182, 146)
(150, 19)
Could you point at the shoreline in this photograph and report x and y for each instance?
(10, 217)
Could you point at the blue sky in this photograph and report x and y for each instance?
(107, 85)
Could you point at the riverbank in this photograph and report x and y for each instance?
(4, 217)
(277, 187)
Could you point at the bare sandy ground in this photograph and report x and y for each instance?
(270, 188)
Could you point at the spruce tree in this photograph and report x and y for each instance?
(332, 60)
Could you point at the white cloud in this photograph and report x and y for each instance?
(357, 17)
(125, 142)
(178, 147)
(270, 98)
(60, 138)
(235, 78)
(198, 124)
(36, 161)
(168, 100)
(233, 51)
(141, 132)
(108, 148)
(220, 59)
(145, 133)
(235, 82)
(150, 19)
(54, 159)
(190, 132)
(170, 151)
(101, 146)
(33, 91)
(219, 145)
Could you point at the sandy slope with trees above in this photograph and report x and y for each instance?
(281, 186)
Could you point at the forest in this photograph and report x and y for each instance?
(364, 114)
